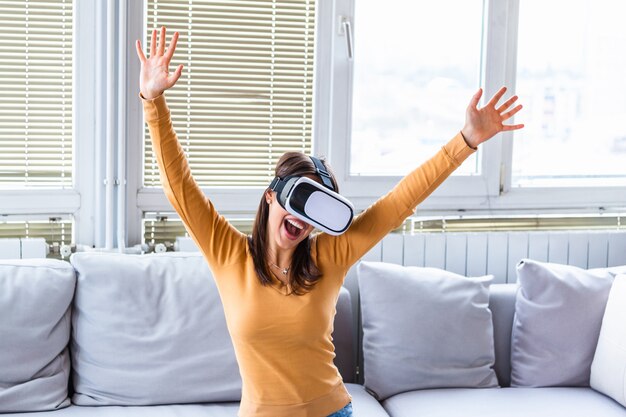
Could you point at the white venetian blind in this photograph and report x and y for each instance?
(36, 85)
(246, 93)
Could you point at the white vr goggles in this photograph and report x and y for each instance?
(316, 204)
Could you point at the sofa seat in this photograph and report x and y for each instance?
(509, 402)
(364, 406)
(177, 410)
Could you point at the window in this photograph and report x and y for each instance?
(166, 227)
(246, 94)
(571, 80)
(414, 69)
(36, 83)
(39, 191)
(414, 72)
(264, 77)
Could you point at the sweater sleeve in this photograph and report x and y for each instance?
(218, 240)
(388, 213)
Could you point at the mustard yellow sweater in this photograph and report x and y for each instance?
(282, 341)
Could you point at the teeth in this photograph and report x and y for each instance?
(295, 224)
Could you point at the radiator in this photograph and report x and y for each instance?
(495, 253)
(23, 248)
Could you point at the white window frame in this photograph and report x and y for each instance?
(488, 192)
(77, 201)
(232, 202)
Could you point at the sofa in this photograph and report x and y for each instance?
(133, 335)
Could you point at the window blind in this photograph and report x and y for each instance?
(246, 93)
(54, 230)
(166, 227)
(36, 85)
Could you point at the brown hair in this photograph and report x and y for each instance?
(305, 273)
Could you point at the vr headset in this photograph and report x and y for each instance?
(316, 204)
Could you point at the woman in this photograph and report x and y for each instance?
(280, 285)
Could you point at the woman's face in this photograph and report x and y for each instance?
(284, 230)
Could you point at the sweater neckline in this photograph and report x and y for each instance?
(281, 287)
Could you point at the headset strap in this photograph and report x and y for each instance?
(277, 184)
(322, 173)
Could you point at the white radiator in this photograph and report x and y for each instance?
(23, 248)
(496, 253)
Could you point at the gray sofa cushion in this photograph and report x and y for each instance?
(35, 300)
(499, 402)
(608, 369)
(424, 328)
(558, 313)
(363, 404)
(149, 330)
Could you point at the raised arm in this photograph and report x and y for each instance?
(392, 209)
(219, 241)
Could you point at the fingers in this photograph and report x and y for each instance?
(496, 97)
(507, 104)
(161, 41)
(476, 98)
(512, 127)
(510, 114)
(140, 54)
(171, 80)
(153, 41)
(172, 47)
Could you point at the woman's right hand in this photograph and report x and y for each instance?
(155, 77)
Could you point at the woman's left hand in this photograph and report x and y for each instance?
(482, 124)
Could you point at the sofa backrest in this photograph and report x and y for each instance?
(343, 337)
(502, 306)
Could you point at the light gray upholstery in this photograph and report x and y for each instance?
(102, 281)
(149, 330)
(499, 402)
(424, 328)
(187, 410)
(363, 404)
(35, 305)
(502, 306)
(342, 337)
(558, 313)
(608, 370)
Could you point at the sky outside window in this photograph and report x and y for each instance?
(416, 66)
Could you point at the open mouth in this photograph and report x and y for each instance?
(294, 228)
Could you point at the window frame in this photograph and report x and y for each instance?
(364, 190)
(229, 201)
(75, 201)
(487, 193)
(491, 190)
